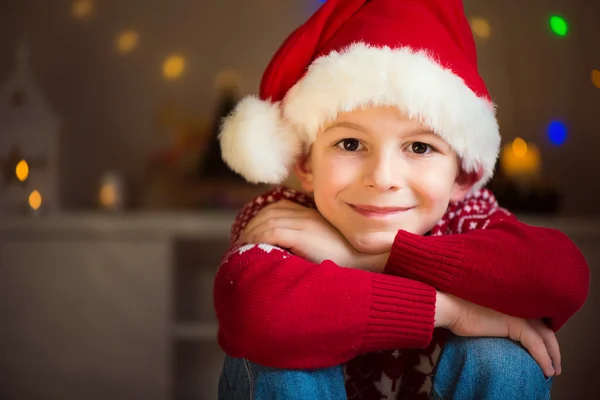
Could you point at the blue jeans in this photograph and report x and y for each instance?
(468, 368)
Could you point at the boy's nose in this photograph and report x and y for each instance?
(383, 173)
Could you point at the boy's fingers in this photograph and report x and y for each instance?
(551, 342)
(280, 237)
(533, 342)
(270, 217)
(269, 230)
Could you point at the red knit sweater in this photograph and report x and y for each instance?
(280, 310)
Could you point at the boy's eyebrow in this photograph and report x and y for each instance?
(422, 131)
(360, 128)
(349, 125)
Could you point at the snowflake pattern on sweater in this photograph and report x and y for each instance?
(397, 374)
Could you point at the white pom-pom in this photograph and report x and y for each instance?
(256, 144)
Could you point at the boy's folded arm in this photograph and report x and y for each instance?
(520, 270)
(282, 311)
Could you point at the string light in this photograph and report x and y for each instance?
(108, 196)
(520, 160)
(519, 147)
(596, 78)
(22, 170)
(82, 9)
(557, 133)
(127, 41)
(111, 196)
(35, 200)
(173, 66)
(559, 25)
(481, 28)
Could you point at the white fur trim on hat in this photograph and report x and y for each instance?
(256, 144)
(357, 77)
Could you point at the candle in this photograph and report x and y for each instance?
(111, 196)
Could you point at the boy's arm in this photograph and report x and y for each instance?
(279, 310)
(497, 262)
(283, 311)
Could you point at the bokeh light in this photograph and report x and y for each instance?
(557, 133)
(173, 66)
(35, 200)
(127, 41)
(22, 170)
(559, 25)
(519, 147)
(481, 28)
(82, 9)
(596, 78)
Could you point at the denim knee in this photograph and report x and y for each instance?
(235, 382)
(242, 379)
(488, 368)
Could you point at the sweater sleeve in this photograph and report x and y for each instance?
(279, 310)
(500, 263)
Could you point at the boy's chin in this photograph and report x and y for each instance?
(373, 242)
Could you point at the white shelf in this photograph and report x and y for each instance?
(196, 331)
(209, 225)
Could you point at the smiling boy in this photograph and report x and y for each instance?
(379, 109)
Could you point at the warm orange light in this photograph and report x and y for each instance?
(35, 200)
(82, 9)
(519, 147)
(596, 78)
(127, 41)
(481, 28)
(173, 66)
(523, 165)
(108, 196)
(22, 170)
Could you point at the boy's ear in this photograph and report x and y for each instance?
(464, 183)
(304, 172)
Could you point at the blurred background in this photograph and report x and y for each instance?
(115, 207)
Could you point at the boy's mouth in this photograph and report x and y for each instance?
(377, 212)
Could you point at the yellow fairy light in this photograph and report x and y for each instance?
(173, 66)
(524, 165)
(481, 28)
(35, 200)
(519, 147)
(108, 196)
(82, 8)
(596, 78)
(127, 40)
(22, 170)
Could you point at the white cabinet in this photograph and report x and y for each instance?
(109, 307)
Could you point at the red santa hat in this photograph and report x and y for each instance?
(416, 55)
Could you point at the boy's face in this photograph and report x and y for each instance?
(375, 171)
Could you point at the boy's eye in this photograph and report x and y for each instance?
(349, 144)
(420, 148)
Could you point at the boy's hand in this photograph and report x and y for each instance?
(307, 234)
(467, 319)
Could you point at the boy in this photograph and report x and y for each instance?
(379, 106)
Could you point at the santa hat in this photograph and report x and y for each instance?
(416, 55)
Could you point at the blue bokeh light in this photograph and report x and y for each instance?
(557, 133)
